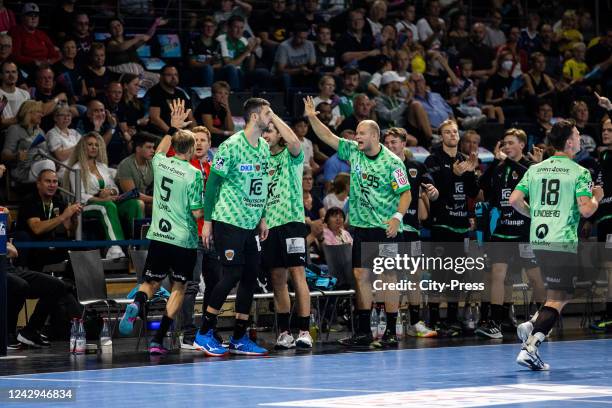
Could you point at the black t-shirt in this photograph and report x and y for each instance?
(327, 61)
(348, 43)
(482, 56)
(202, 52)
(498, 84)
(437, 83)
(69, 78)
(33, 207)
(278, 26)
(98, 82)
(159, 98)
(133, 112)
(417, 174)
(313, 214)
(218, 113)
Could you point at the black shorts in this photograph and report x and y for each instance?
(560, 270)
(604, 239)
(285, 246)
(411, 243)
(163, 257)
(367, 246)
(236, 246)
(512, 252)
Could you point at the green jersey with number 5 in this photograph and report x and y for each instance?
(178, 190)
(553, 187)
(243, 192)
(376, 185)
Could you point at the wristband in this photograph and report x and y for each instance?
(172, 130)
(398, 216)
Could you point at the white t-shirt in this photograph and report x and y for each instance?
(15, 100)
(425, 31)
(331, 200)
(57, 140)
(308, 150)
(404, 26)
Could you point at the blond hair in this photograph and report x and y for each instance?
(26, 108)
(79, 155)
(183, 141)
(201, 129)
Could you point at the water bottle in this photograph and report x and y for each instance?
(399, 325)
(106, 341)
(374, 322)
(74, 330)
(470, 322)
(382, 323)
(313, 328)
(81, 341)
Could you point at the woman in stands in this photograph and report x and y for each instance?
(334, 232)
(99, 193)
(134, 108)
(122, 55)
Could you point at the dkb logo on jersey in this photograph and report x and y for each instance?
(256, 185)
(164, 225)
(542, 231)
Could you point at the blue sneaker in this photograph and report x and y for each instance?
(209, 344)
(127, 321)
(246, 346)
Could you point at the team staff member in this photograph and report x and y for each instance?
(559, 192)
(235, 201)
(177, 204)
(380, 196)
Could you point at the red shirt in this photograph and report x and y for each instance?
(32, 46)
(204, 167)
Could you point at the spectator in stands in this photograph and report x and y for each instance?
(550, 49)
(300, 127)
(67, 73)
(334, 165)
(520, 56)
(214, 113)
(96, 76)
(51, 94)
(115, 109)
(544, 115)
(134, 109)
(538, 84)
(204, 55)
(338, 195)
(589, 133)
(325, 114)
(295, 59)
(481, 55)
(498, 89)
(334, 232)
(136, 170)
(376, 17)
(431, 27)
(237, 53)
(364, 109)
(122, 55)
(24, 140)
(567, 31)
(61, 139)
(309, 16)
(45, 216)
(601, 51)
(530, 40)
(356, 47)
(438, 73)
(394, 111)
(469, 143)
(406, 26)
(7, 18)
(272, 27)
(98, 119)
(6, 48)
(8, 90)
(435, 106)
(458, 36)
(385, 64)
(327, 86)
(62, 19)
(99, 193)
(81, 33)
(230, 8)
(494, 35)
(348, 92)
(25, 284)
(575, 68)
(327, 57)
(312, 205)
(159, 100)
(32, 47)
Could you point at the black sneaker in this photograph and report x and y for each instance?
(509, 324)
(32, 339)
(360, 340)
(489, 330)
(13, 343)
(388, 339)
(448, 329)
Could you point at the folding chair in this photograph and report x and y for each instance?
(339, 264)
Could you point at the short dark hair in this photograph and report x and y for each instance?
(332, 212)
(350, 72)
(141, 138)
(543, 102)
(235, 18)
(323, 25)
(166, 67)
(560, 132)
(299, 28)
(253, 105)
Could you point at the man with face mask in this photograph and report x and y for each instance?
(482, 55)
(380, 196)
(234, 211)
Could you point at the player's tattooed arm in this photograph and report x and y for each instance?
(517, 200)
(322, 131)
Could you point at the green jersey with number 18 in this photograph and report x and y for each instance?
(178, 190)
(553, 187)
(244, 168)
(376, 184)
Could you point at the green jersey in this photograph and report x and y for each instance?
(552, 187)
(285, 197)
(178, 190)
(243, 192)
(376, 184)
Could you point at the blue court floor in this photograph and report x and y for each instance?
(469, 376)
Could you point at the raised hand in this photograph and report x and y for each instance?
(178, 114)
(309, 107)
(497, 152)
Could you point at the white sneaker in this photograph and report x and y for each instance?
(304, 340)
(285, 341)
(115, 252)
(529, 356)
(523, 330)
(421, 330)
